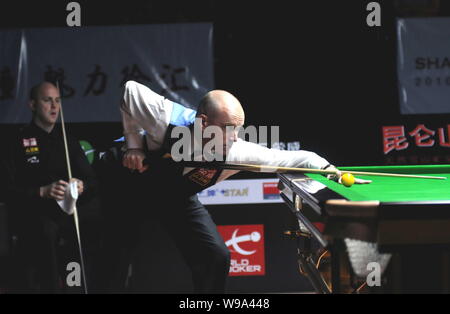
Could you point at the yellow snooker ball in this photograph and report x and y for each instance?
(347, 179)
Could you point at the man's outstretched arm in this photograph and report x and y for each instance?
(251, 153)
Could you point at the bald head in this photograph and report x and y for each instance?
(217, 102)
(221, 109)
(45, 104)
(40, 88)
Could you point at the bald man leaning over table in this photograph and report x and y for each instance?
(173, 188)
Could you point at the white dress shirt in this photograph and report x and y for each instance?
(144, 110)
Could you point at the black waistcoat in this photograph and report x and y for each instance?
(166, 175)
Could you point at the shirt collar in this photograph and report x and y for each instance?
(54, 133)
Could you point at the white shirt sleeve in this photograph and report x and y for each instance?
(143, 109)
(251, 153)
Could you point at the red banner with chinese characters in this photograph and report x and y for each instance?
(419, 144)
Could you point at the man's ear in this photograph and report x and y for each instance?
(204, 120)
(32, 105)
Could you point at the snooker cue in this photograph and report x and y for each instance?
(75, 212)
(277, 169)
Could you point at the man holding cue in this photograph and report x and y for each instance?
(33, 178)
(173, 187)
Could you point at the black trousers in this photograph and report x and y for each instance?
(202, 247)
(191, 228)
(44, 247)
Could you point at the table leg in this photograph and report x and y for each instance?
(335, 268)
